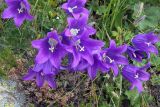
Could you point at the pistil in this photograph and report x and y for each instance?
(71, 9)
(74, 32)
(52, 42)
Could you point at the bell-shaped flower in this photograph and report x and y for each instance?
(136, 54)
(98, 65)
(76, 27)
(136, 75)
(112, 56)
(75, 8)
(83, 48)
(92, 70)
(50, 48)
(43, 73)
(18, 10)
(145, 42)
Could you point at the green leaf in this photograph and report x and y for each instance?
(134, 97)
(152, 18)
(155, 79)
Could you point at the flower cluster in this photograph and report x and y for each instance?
(18, 10)
(143, 46)
(84, 53)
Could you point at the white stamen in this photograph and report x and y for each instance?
(52, 42)
(42, 74)
(74, 32)
(104, 56)
(74, 7)
(82, 48)
(148, 43)
(20, 11)
(136, 76)
(71, 9)
(110, 60)
(51, 49)
(78, 46)
(134, 55)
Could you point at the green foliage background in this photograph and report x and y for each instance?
(116, 19)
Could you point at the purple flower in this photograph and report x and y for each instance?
(42, 72)
(145, 42)
(75, 8)
(112, 56)
(135, 54)
(92, 70)
(18, 10)
(97, 66)
(83, 48)
(50, 48)
(136, 75)
(78, 26)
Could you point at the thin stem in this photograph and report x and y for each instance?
(35, 5)
(108, 36)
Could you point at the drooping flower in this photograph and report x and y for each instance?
(92, 70)
(112, 56)
(145, 42)
(83, 48)
(42, 72)
(75, 8)
(135, 54)
(76, 27)
(136, 75)
(18, 10)
(97, 66)
(50, 48)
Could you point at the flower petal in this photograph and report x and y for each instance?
(82, 65)
(76, 16)
(115, 69)
(83, 1)
(85, 11)
(112, 44)
(87, 56)
(42, 56)
(68, 33)
(57, 56)
(19, 20)
(29, 17)
(92, 72)
(121, 60)
(39, 80)
(12, 2)
(65, 6)
(27, 5)
(31, 74)
(92, 44)
(7, 13)
(139, 85)
(91, 30)
(51, 81)
(144, 76)
(37, 43)
(151, 37)
(76, 58)
(70, 21)
(38, 67)
(153, 49)
(49, 69)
